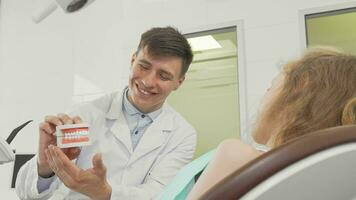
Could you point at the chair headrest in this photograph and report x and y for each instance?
(244, 179)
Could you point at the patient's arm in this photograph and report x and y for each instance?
(231, 154)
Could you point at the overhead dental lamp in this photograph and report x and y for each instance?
(6, 152)
(68, 6)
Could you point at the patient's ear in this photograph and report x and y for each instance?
(271, 141)
(349, 112)
(263, 130)
(260, 138)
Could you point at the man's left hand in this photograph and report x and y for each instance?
(91, 182)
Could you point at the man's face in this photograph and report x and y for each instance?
(152, 79)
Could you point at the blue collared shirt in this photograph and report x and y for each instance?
(137, 121)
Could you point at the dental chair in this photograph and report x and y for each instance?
(317, 166)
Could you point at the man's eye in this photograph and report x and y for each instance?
(143, 66)
(164, 77)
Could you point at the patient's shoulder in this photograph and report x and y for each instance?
(234, 144)
(229, 156)
(236, 149)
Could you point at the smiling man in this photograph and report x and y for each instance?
(152, 79)
(138, 141)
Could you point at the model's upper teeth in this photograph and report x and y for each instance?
(144, 92)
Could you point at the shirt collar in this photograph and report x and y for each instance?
(132, 110)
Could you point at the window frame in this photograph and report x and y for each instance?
(241, 68)
(322, 10)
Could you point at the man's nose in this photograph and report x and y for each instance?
(149, 80)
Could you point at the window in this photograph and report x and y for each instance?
(209, 97)
(332, 28)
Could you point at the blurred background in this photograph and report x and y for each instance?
(239, 46)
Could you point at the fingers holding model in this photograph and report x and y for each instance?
(47, 130)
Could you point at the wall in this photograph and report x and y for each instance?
(38, 61)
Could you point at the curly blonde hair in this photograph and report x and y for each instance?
(318, 91)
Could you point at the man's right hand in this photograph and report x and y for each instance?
(47, 137)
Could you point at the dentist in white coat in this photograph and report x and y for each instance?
(139, 142)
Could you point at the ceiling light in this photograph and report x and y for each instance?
(203, 43)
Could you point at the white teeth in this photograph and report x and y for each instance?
(75, 134)
(144, 92)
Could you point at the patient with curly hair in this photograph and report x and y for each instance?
(314, 92)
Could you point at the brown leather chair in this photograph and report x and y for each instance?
(320, 165)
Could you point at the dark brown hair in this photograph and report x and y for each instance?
(167, 41)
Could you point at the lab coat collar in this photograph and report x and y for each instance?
(119, 128)
(121, 131)
(115, 109)
(154, 136)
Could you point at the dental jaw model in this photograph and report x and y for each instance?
(73, 135)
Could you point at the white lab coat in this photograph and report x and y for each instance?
(166, 146)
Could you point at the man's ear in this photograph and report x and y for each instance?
(133, 57)
(180, 81)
